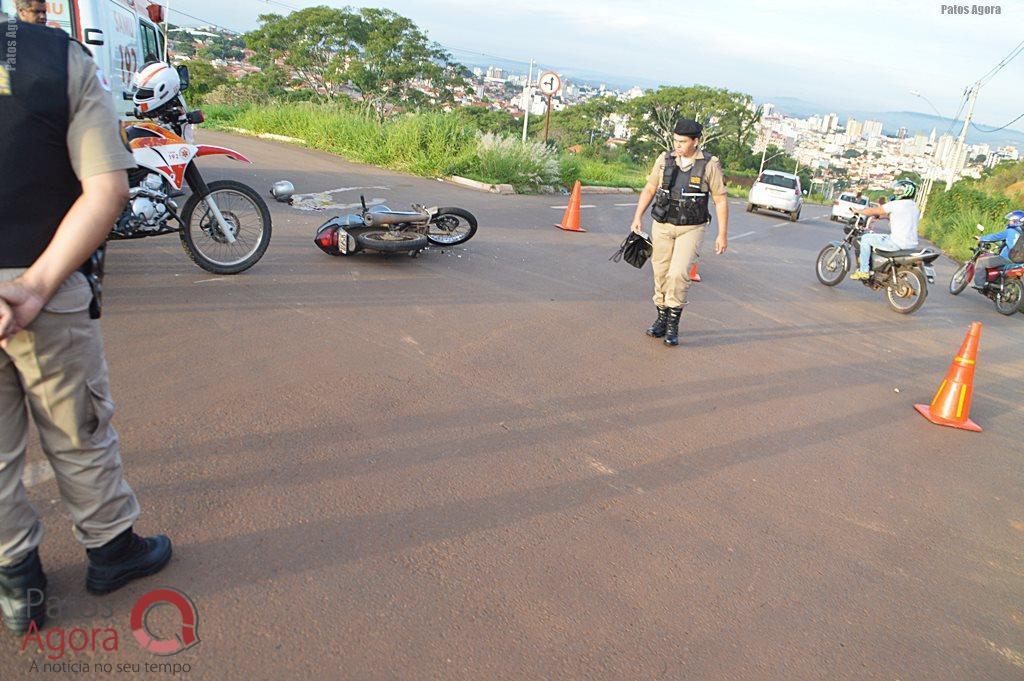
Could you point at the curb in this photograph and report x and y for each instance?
(595, 189)
(482, 186)
(267, 135)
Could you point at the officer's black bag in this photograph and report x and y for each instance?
(635, 250)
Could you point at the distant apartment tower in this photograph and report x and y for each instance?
(944, 148)
(478, 72)
(495, 72)
(767, 109)
(829, 123)
(872, 129)
(854, 128)
(901, 133)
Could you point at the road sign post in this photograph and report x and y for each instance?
(548, 84)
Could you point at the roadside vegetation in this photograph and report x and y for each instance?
(950, 218)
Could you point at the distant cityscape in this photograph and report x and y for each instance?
(858, 152)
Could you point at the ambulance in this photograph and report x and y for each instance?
(121, 34)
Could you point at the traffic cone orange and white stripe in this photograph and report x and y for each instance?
(951, 405)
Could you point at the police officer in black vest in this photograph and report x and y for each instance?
(681, 185)
(62, 186)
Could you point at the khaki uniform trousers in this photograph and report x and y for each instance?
(55, 369)
(675, 249)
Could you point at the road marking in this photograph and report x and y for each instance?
(625, 204)
(740, 236)
(203, 281)
(601, 468)
(586, 205)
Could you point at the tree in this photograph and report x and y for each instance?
(656, 112)
(204, 77)
(584, 123)
(380, 54)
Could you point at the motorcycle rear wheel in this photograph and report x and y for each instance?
(832, 265)
(244, 210)
(907, 292)
(392, 242)
(1008, 301)
(958, 282)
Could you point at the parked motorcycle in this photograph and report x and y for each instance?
(379, 228)
(904, 274)
(1003, 285)
(224, 226)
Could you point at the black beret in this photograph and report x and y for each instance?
(687, 127)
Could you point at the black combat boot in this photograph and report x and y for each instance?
(124, 558)
(23, 594)
(672, 326)
(657, 329)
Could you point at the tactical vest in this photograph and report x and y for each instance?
(37, 182)
(683, 196)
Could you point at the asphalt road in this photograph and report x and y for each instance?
(475, 465)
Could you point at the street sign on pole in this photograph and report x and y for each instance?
(548, 84)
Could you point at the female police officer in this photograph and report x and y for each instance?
(680, 184)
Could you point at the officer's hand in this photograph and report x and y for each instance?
(721, 243)
(637, 227)
(24, 304)
(6, 322)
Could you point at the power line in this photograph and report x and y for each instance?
(1014, 53)
(999, 128)
(207, 22)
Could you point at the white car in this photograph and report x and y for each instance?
(843, 207)
(776, 190)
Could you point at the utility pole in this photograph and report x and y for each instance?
(527, 100)
(952, 170)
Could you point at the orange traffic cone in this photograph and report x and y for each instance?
(694, 276)
(952, 403)
(571, 220)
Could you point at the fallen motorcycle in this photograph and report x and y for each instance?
(381, 229)
(904, 274)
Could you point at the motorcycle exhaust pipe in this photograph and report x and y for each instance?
(383, 219)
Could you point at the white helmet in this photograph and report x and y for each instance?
(155, 85)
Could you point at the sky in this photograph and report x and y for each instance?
(846, 55)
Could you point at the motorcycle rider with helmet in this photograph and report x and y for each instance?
(903, 215)
(1010, 235)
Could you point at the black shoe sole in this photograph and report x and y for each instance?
(671, 344)
(654, 335)
(108, 586)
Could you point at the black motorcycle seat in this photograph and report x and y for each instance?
(895, 254)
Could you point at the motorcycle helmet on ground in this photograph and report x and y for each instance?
(903, 189)
(1015, 219)
(154, 86)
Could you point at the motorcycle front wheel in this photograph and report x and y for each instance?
(246, 215)
(907, 292)
(832, 265)
(451, 227)
(961, 278)
(1009, 299)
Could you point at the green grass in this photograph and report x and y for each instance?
(950, 218)
(430, 144)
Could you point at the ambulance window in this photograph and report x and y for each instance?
(150, 43)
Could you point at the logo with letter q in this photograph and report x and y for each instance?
(186, 637)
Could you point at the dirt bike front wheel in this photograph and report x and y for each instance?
(246, 215)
